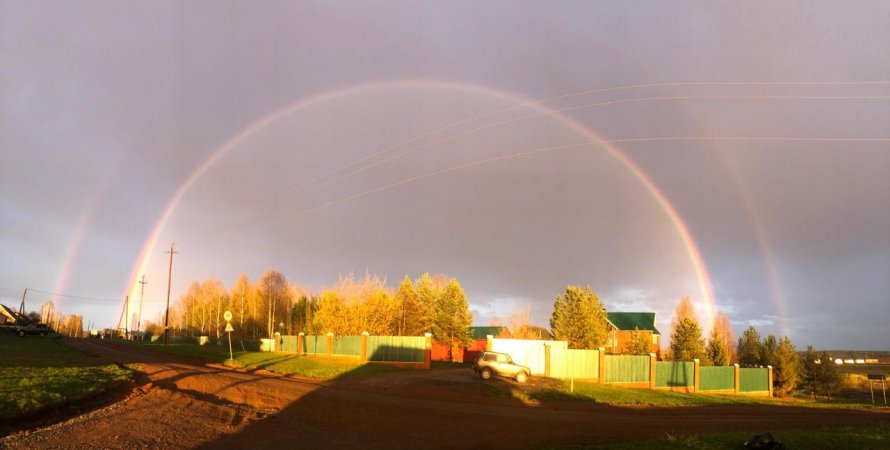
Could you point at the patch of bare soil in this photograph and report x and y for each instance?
(188, 405)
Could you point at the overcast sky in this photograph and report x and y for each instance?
(107, 108)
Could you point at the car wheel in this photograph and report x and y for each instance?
(42, 333)
(22, 333)
(485, 374)
(521, 377)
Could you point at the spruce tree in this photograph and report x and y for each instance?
(579, 318)
(827, 375)
(452, 318)
(786, 369)
(687, 342)
(749, 348)
(639, 343)
(716, 350)
(810, 370)
(769, 348)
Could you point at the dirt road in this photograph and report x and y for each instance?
(187, 405)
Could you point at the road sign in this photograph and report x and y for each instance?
(228, 316)
(876, 377)
(229, 327)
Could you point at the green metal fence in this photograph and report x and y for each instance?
(716, 378)
(347, 345)
(571, 363)
(396, 348)
(315, 344)
(626, 369)
(754, 380)
(674, 374)
(289, 343)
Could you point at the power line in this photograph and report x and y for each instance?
(306, 188)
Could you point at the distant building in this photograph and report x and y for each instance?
(623, 325)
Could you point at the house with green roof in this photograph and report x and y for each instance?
(624, 324)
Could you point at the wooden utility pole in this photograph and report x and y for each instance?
(141, 295)
(22, 308)
(127, 323)
(169, 280)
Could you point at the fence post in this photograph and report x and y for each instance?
(488, 342)
(770, 380)
(364, 346)
(300, 342)
(652, 370)
(602, 374)
(329, 347)
(696, 371)
(546, 360)
(427, 350)
(737, 385)
(277, 346)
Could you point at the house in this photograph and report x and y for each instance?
(623, 325)
(478, 342)
(9, 316)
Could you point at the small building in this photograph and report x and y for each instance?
(623, 325)
(478, 342)
(9, 316)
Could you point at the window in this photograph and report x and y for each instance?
(654, 338)
(489, 357)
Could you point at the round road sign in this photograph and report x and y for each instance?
(227, 315)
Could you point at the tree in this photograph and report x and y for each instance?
(723, 327)
(410, 311)
(810, 369)
(685, 310)
(427, 289)
(827, 375)
(639, 343)
(687, 342)
(717, 351)
(452, 318)
(768, 351)
(273, 291)
(786, 369)
(749, 348)
(579, 318)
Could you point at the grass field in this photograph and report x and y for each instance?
(834, 438)
(36, 373)
(620, 396)
(316, 366)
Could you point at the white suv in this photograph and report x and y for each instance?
(501, 364)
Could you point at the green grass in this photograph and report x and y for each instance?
(315, 366)
(36, 373)
(828, 438)
(620, 396)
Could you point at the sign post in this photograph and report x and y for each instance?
(228, 316)
(871, 380)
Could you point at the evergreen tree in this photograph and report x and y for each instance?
(769, 349)
(687, 342)
(639, 343)
(827, 375)
(809, 370)
(579, 318)
(452, 318)
(717, 352)
(749, 348)
(786, 369)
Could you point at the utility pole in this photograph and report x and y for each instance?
(121, 321)
(141, 295)
(169, 279)
(22, 308)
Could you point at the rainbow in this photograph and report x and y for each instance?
(703, 278)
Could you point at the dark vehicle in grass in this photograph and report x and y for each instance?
(33, 329)
(489, 364)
